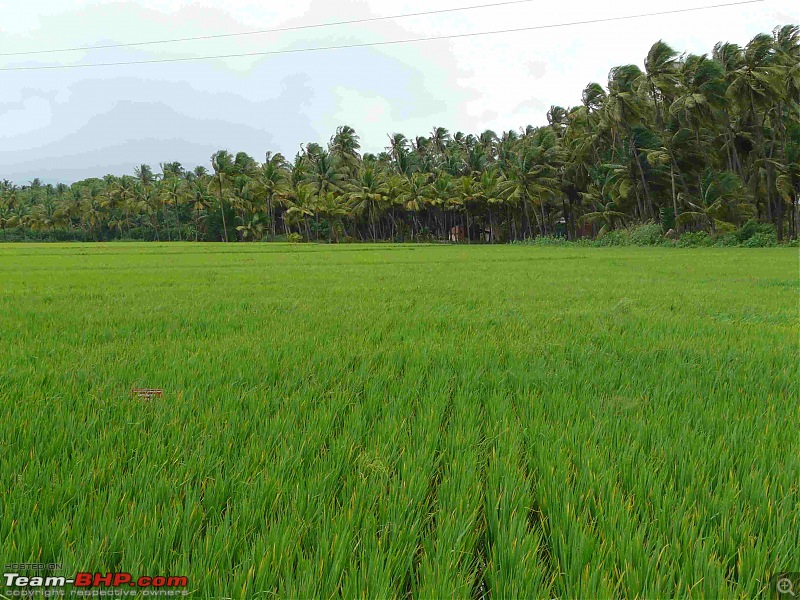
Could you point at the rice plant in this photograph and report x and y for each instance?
(403, 421)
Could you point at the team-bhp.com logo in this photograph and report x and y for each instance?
(94, 584)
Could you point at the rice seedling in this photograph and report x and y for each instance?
(394, 421)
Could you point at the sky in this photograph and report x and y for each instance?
(72, 123)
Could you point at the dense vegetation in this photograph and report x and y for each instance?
(690, 142)
(401, 421)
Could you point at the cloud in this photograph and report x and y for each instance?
(121, 137)
(536, 68)
(68, 124)
(27, 116)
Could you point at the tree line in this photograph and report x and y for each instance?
(693, 142)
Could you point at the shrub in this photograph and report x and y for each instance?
(618, 237)
(550, 240)
(692, 239)
(752, 228)
(24, 234)
(761, 240)
(647, 234)
(726, 240)
(723, 228)
(294, 238)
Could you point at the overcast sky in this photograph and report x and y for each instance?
(68, 124)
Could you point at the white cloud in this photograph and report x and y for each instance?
(30, 116)
(140, 112)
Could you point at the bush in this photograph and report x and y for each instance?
(618, 237)
(648, 234)
(726, 240)
(23, 234)
(549, 240)
(294, 238)
(692, 239)
(752, 228)
(761, 240)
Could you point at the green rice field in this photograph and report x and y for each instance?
(403, 421)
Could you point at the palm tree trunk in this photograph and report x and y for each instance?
(650, 205)
(527, 218)
(166, 215)
(544, 219)
(674, 199)
(222, 208)
(271, 215)
(178, 220)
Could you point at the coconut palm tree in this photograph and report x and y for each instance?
(660, 77)
(654, 143)
(199, 200)
(607, 214)
(301, 204)
(173, 191)
(415, 199)
(490, 193)
(367, 194)
(720, 202)
(344, 146)
(222, 164)
(324, 172)
(271, 183)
